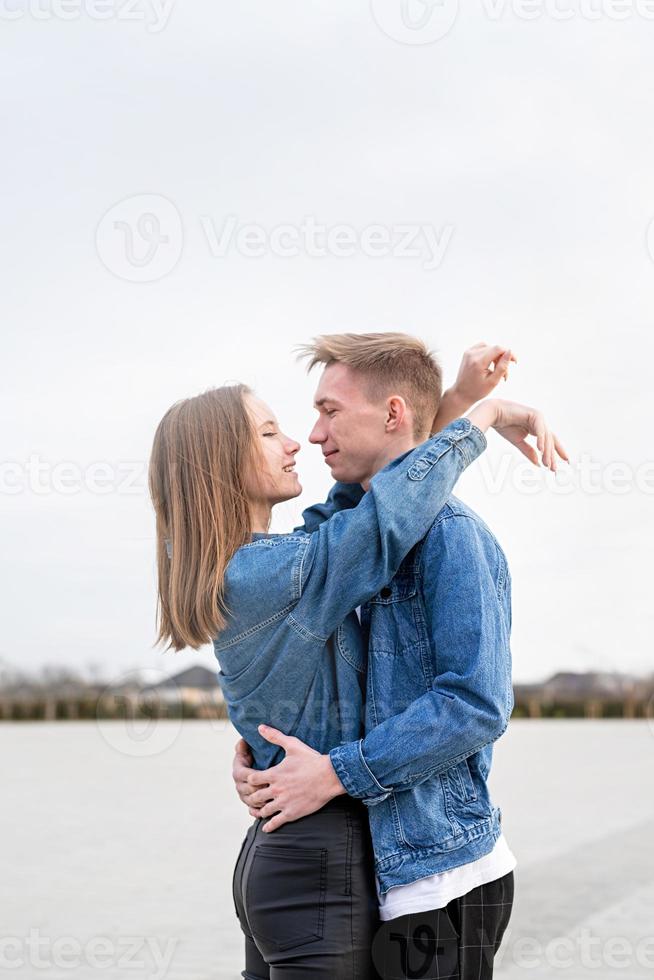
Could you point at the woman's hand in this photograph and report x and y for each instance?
(515, 422)
(482, 368)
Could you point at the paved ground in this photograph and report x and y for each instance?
(117, 851)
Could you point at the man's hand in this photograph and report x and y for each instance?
(482, 368)
(299, 785)
(241, 769)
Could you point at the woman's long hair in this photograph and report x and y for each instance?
(203, 450)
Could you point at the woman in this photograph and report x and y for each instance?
(279, 609)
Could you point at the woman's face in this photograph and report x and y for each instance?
(276, 480)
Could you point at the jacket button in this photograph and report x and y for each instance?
(386, 593)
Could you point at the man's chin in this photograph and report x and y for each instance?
(341, 474)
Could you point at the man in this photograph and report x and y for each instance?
(438, 685)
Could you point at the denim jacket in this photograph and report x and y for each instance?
(291, 653)
(439, 694)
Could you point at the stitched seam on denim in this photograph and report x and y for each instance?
(298, 570)
(280, 614)
(305, 633)
(342, 648)
(373, 778)
(395, 810)
(474, 834)
(439, 770)
(502, 574)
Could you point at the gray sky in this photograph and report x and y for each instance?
(510, 158)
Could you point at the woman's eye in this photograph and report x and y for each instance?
(269, 434)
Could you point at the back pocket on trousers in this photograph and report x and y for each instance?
(285, 895)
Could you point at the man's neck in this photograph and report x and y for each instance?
(390, 452)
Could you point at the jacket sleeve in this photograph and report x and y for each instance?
(467, 602)
(342, 496)
(354, 554)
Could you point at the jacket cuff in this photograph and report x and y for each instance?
(467, 437)
(353, 771)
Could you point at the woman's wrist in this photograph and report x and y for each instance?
(485, 414)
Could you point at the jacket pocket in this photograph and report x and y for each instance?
(461, 782)
(286, 892)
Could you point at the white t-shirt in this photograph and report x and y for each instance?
(436, 891)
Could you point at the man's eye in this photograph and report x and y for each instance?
(331, 412)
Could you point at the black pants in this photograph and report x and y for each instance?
(305, 897)
(458, 942)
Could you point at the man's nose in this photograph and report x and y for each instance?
(317, 435)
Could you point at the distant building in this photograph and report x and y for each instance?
(196, 685)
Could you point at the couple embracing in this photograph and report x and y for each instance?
(364, 657)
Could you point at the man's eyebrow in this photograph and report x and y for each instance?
(319, 402)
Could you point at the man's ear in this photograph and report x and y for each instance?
(396, 411)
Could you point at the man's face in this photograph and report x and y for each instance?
(351, 430)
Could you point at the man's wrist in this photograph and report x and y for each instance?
(329, 780)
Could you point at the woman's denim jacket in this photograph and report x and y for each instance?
(291, 654)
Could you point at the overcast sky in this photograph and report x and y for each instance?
(172, 186)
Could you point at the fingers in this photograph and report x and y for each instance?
(495, 353)
(260, 778)
(528, 450)
(276, 737)
(498, 367)
(260, 797)
(275, 822)
(560, 450)
(503, 363)
(242, 754)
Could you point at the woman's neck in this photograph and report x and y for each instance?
(261, 512)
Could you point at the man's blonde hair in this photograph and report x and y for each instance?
(388, 363)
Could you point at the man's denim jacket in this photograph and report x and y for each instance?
(291, 653)
(439, 694)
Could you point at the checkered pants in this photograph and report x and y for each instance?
(458, 942)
